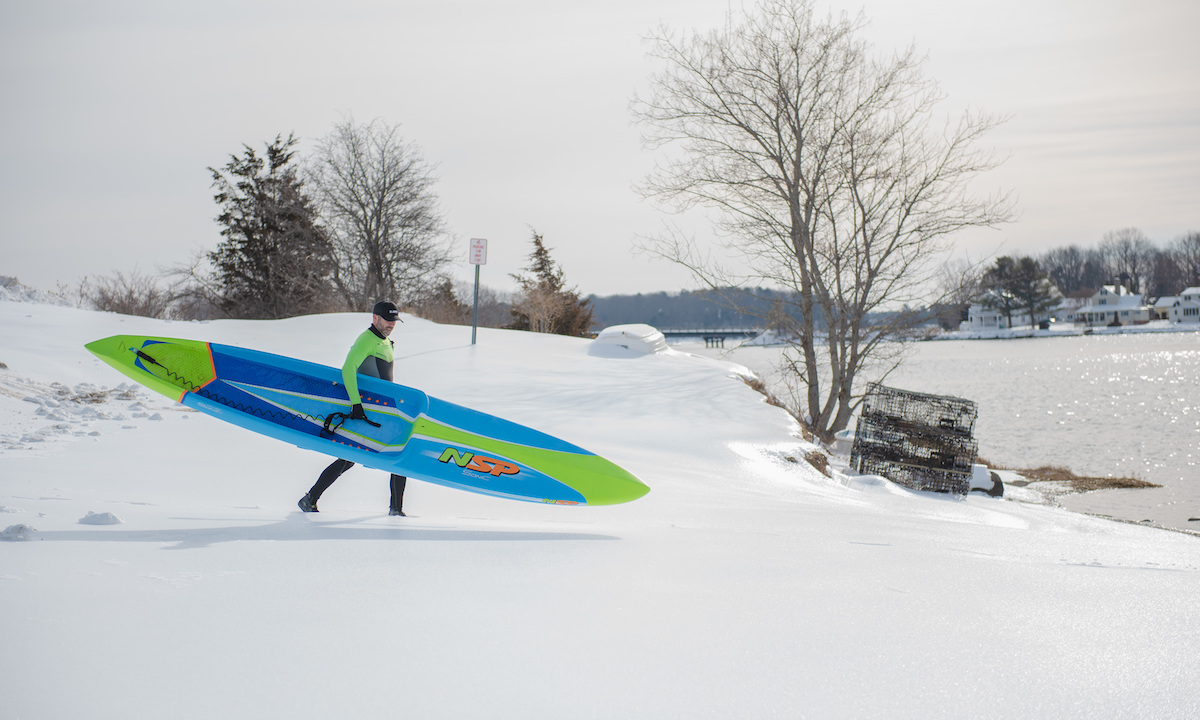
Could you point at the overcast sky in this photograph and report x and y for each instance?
(113, 110)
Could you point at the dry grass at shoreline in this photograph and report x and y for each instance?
(1076, 483)
(1067, 480)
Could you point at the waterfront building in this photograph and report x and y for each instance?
(1114, 305)
(1185, 308)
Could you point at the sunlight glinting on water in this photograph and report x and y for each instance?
(1104, 405)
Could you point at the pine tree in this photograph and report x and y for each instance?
(1032, 286)
(998, 283)
(1020, 284)
(545, 304)
(275, 260)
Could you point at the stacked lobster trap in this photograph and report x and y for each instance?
(924, 442)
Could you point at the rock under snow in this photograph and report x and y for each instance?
(17, 533)
(95, 518)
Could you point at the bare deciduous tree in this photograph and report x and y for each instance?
(1129, 255)
(960, 283)
(194, 288)
(132, 294)
(1186, 250)
(495, 306)
(375, 194)
(442, 305)
(1165, 276)
(1066, 267)
(829, 172)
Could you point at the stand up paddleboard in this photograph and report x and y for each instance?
(409, 433)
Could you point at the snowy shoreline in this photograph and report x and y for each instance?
(769, 338)
(1022, 333)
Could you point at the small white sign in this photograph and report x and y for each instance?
(478, 251)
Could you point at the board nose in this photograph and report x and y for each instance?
(615, 487)
(106, 348)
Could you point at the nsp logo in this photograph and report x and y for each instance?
(479, 463)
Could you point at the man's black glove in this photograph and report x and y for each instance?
(356, 413)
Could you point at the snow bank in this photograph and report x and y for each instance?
(12, 290)
(628, 341)
(18, 533)
(95, 518)
(769, 338)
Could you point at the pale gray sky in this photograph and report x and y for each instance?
(113, 110)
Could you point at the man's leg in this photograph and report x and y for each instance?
(308, 503)
(398, 483)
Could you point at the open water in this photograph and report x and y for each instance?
(1100, 405)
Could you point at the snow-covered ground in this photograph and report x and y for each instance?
(158, 566)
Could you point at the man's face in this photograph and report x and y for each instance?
(385, 327)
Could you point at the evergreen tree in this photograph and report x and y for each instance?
(1033, 289)
(1019, 284)
(545, 304)
(997, 284)
(275, 260)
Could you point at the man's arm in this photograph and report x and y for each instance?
(358, 352)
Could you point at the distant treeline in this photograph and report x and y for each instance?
(1126, 257)
(692, 310)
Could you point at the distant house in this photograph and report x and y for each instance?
(980, 317)
(1162, 306)
(1113, 304)
(983, 318)
(1186, 307)
(1068, 308)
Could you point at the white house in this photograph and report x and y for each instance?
(984, 318)
(1186, 307)
(1068, 308)
(1163, 305)
(1113, 304)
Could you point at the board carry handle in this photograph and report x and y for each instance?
(337, 419)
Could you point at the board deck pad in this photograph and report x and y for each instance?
(306, 404)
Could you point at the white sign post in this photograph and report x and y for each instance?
(478, 257)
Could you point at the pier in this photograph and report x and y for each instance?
(713, 337)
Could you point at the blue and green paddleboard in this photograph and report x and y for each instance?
(410, 433)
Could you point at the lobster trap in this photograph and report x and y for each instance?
(921, 441)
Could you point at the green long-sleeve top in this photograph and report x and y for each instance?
(371, 354)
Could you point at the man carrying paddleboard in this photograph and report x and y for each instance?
(372, 354)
